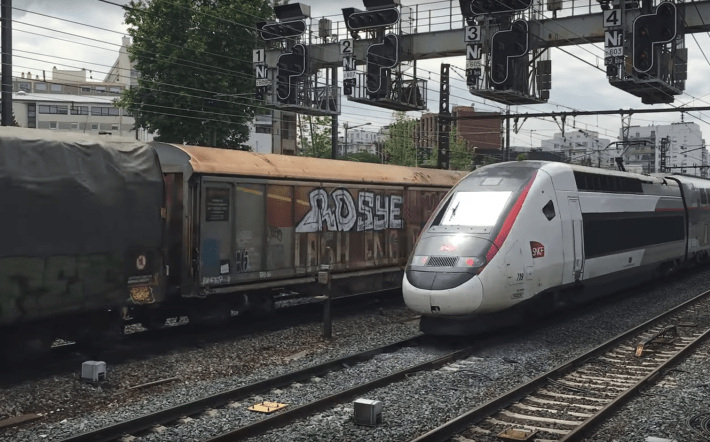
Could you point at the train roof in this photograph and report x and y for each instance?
(229, 162)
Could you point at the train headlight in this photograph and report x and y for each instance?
(419, 260)
(470, 261)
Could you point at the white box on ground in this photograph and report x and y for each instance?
(368, 412)
(94, 371)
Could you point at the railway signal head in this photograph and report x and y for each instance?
(269, 31)
(357, 20)
(290, 67)
(472, 8)
(506, 45)
(381, 58)
(651, 30)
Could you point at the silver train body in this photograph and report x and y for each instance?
(515, 237)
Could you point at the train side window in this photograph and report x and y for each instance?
(549, 210)
(703, 197)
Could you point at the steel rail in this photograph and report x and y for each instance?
(145, 422)
(470, 418)
(284, 418)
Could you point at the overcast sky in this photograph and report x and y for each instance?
(575, 84)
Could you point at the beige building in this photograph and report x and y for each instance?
(73, 101)
(73, 113)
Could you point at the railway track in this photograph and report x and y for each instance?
(193, 408)
(148, 343)
(568, 402)
(458, 349)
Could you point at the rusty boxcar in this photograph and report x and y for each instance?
(242, 225)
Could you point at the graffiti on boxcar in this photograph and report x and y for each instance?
(337, 211)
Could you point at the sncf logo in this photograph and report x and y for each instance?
(448, 248)
(537, 249)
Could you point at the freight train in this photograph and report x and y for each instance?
(98, 232)
(516, 239)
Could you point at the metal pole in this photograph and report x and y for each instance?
(327, 318)
(6, 77)
(507, 135)
(345, 140)
(334, 119)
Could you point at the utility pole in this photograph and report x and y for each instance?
(444, 122)
(6, 77)
(507, 134)
(334, 119)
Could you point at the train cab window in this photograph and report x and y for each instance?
(703, 197)
(475, 208)
(549, 210)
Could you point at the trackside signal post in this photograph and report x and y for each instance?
(294, 82)
(383, 82)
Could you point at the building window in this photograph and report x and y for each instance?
(104, 111)
(134, 73)
(114, 127)
(115, 90)
(56, 87)
(127, 113)
(100, 89)
(52, 124)
(85, 89)
(45, 109)
(24, 86)
(94, 126)
(75, 126)
(80, 110)
(32, 116)
(40, 86)
(263, 129)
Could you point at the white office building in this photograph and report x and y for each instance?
(684, 144)
(582, 147)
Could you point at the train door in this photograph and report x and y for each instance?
(577, 238)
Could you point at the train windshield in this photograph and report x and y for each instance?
(479, 203)
(475, 208)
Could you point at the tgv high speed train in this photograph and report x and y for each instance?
(526, 236)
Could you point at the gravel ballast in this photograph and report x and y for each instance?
(412, 407)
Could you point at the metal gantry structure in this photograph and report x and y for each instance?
(506, 44)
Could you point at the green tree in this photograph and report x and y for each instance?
(364, 157)
(196, 82)
(459, 153)
(521, 157)
(316, 136)
(399, 145)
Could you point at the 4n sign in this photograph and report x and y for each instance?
(612, 18)
(613, 39)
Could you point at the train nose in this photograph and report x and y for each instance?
(459, 300)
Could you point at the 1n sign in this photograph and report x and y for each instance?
(259, 56)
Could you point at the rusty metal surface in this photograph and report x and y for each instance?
(234, 162)
(665, 336)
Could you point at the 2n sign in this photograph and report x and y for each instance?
(612, 17)
(346, 47)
